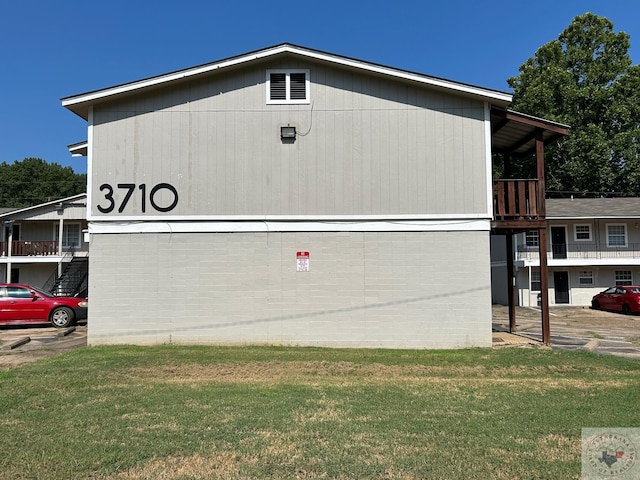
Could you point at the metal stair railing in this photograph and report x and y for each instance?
(72, 278)
(53, 278)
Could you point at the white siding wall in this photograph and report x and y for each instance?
(603, 277)
(73, 212)
(399, 289)
(367, 146)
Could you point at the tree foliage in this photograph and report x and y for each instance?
(33, 181)
(585, 79)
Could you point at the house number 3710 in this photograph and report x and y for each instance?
(110, 202)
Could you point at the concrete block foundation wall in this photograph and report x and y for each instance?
(363, 289)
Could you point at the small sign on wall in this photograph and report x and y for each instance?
(302, 261)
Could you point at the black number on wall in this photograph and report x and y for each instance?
(110, 203)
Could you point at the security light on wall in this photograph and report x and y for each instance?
(288, 133)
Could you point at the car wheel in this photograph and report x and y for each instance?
(626, 310)
(595, 305)
(62, 317)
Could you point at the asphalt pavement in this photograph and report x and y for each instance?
(572, 328)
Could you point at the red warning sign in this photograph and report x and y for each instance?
(302, 261)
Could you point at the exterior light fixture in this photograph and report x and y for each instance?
(288, 133)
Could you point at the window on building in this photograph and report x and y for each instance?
(586, 277)
(582, 233)
(70, 235)
(535, 280)
(617, 235)
(288, 86)
(624, 277)
(532, 238)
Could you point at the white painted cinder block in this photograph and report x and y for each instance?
(363, 289)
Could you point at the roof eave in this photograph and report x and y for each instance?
(80, 103)
(18, 211)
(79, 149)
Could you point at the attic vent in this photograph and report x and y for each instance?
(287, 86)
(278, 89)
(298, 86)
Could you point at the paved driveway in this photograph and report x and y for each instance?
(20, 345)
(573, 328)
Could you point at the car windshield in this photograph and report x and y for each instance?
(634, 290)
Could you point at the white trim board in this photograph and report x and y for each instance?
(289, 218)
(271, 226)
(587, 262)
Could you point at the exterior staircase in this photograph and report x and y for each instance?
(73, 280)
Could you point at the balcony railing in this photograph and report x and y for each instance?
(578, 251)
(515, 200)
(30, 248)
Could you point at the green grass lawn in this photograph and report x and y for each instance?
(258, 412)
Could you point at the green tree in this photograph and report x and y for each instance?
(585, 79)
(33, 181)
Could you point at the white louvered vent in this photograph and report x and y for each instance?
(298, 86)
(287, 86)
(278, 86)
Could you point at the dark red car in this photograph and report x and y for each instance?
(20, 303)
(621, 298)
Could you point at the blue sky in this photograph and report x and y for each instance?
(50, 50)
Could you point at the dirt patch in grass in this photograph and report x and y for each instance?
(10, 360)
(216, 465)
(322, 373)
(560, 447)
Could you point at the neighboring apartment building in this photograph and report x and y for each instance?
(44, 245)
(594, 243)
(292, 196)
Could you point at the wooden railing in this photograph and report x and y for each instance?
(26, 248)
(515, 199)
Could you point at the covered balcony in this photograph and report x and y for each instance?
(518, 142)
(29, 248)
(516, 200)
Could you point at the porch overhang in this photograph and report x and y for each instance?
(514, 133)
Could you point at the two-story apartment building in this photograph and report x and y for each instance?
(44, 245)
(594, 243)
(293, 196)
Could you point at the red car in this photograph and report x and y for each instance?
(622, 298)
(20, 303)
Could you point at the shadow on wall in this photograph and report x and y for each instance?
(457, 293)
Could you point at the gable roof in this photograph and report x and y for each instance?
(13, 212)
(587, 208)
(80, 103)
